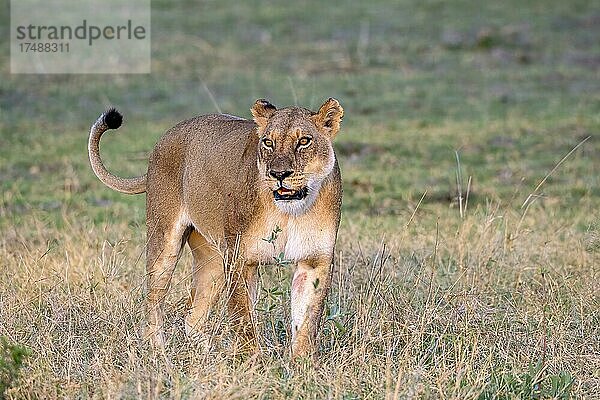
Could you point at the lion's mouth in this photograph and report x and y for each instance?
(288, 194)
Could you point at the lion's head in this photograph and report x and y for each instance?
(295, 153)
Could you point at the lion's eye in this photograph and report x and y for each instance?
(304, 141)
(268, 143)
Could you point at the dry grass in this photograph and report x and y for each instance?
(430, 299)
(467, 310)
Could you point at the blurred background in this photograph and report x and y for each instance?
(508, 88)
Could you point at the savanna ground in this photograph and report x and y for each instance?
(490, 294)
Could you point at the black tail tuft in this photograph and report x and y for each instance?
(113, 118)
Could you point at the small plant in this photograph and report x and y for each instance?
(533, 384)
(273, 297)
(281, 261)
(334, 315)
(11, 361)
(274, 234)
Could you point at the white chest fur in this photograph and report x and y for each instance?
(294, 238)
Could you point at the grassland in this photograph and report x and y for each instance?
(493, 297)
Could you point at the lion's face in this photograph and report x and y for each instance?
(295, 153)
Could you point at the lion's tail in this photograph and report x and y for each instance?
(111, 119)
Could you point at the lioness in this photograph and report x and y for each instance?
(237, 189)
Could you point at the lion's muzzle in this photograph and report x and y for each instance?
(284, 193)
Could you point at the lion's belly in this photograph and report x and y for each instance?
(296, 239)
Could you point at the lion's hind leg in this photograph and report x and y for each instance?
(165, 241)
(208, 282)
(242, 296)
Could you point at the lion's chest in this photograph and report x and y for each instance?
(286, 238)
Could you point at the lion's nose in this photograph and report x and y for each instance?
(280, 175)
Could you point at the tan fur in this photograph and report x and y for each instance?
(212, 182)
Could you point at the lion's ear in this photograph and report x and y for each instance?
(262, 111)
(329, 117)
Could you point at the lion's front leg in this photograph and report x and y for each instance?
(310, 286)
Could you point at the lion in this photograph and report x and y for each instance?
(240, 192)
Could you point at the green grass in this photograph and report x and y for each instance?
(11, 360)
(499, 301)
